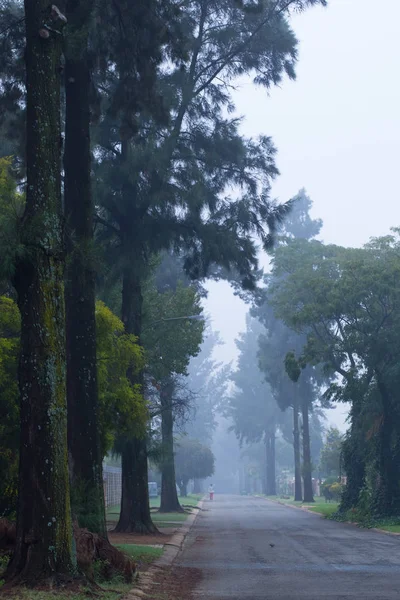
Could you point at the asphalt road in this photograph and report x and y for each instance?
(252, 548)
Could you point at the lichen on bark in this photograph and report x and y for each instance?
(44, 530)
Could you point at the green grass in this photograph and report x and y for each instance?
(368, 521)
(324, 509)
(140, 553)
(191, 500)
(319, 506)
(168, 517)
(391, 528)
(112, 590)
(112, 513)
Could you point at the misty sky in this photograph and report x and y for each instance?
(337, 130)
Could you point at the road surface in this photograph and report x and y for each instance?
(252, 548)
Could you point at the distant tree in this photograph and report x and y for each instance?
(350, 324)
(280, 345)
(170, 340)
(164, 184)
(207, 379)
(331, 453)
(193, 460)
(251, 404)
(299, 224)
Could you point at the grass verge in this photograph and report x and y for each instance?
(141, 554)
(368, 521)
(161, 519)
(390, 528)
(320, 506)
(326, 510)
(109, 590)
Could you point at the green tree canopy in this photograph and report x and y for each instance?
(193, 460)
(331, 453)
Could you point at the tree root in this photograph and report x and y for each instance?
(90, 549)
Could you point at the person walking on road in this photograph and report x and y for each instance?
(211, 492)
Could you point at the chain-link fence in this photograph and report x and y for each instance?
(112, 480)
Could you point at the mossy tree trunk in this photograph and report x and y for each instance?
(307, 464)
(82, 392)
(386, 496)
(43, 549)
(135, 507)
(353, 457)
(169, 496)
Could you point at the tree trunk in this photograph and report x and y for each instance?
(353, 454)
(264, 485)
(298, 496)
(135, 507)
(307, 465)
(43, 550)
(271, 468)
(135, 510)
(169, 496)
(85, 460)
(198, 486)
(386, 498)
(183, 487)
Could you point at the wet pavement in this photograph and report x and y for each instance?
(250, 548)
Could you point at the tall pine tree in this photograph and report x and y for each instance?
(44, 531)
(166, 185)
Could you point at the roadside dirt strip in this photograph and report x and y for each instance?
(152, 576)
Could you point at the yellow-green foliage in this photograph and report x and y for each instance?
(336, 490)
(7, 186)
(9, 406)
(122, 406)
(11, 208)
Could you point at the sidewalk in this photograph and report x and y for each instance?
(171, 549)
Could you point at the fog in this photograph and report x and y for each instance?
(337, 131)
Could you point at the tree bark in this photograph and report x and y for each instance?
(43, 550)
(85, 460)
(271, 467)
(353, 453)
(386, 498)
(135, 507)
(169, 496)
(198, 486)
(298, 495)
(183, 487)
(307, 465)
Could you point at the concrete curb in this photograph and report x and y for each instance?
(172, 548)
(171, 551)
(395, 533)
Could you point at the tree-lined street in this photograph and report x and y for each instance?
(253, 548)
